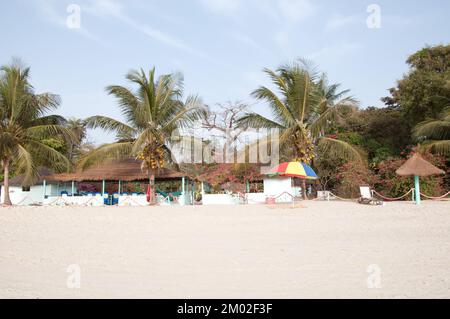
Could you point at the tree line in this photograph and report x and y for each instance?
(319, 124)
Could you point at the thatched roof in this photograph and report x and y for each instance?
(418, 166)
(43, 173)
(126, 170)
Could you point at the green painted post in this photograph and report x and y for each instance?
(417, 189)
(103, 187)
(73, 188)
(248, 187)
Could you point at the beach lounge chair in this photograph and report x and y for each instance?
(367, 197)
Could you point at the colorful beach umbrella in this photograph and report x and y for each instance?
(293, 169)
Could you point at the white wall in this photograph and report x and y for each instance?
(19, 197)
(219, 199)
(256, 198)
(36, 193)
(275, 186)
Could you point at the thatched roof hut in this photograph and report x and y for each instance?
(418, 166)
(43, 173)
(125, 170)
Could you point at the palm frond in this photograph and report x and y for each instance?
(340, 149)
(54, 159)
(438, 147)
(329, 115)
(190, 112)
(254, 120)
(24, 162)
(129, 105)
(33, 106)
(433, 129)
(108, 124)
(281, 112)
(119, 151)
(40, 132)
(49, 120)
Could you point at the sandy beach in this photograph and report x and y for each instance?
(323, 250)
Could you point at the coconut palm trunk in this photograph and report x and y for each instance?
(304, 189)
(152, 189)
(7, 198)
(303, 107)
(25, 124)
(154, 114)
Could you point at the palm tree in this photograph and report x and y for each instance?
(24, 124)
(302, 112)
(152, 114)
(78, 129)
(435, 133)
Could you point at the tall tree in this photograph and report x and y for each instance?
(79, 132)
(153, 112)
(24, 124)
(425, 91)
(223, 120)
(302, 111)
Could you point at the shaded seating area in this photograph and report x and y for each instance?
(122, 183)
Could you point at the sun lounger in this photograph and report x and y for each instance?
(367, 197)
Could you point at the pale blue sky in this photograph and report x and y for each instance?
(220, 46)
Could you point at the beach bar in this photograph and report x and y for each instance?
(122, 183)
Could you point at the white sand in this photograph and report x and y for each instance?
(323, 250)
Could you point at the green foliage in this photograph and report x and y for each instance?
(152, 113)
(327, 168)
(435, 133)
(353, 137)
(235, 176)
(55, 143)
(381, 153)
(351, 175)
(304, 108)
(24, 125)
(75, 147)
(390, 184)
(379, 128)
(425, 91)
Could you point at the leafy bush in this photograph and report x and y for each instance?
(352, 175)
(390, 184)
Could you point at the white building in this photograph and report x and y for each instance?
(34, 194)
